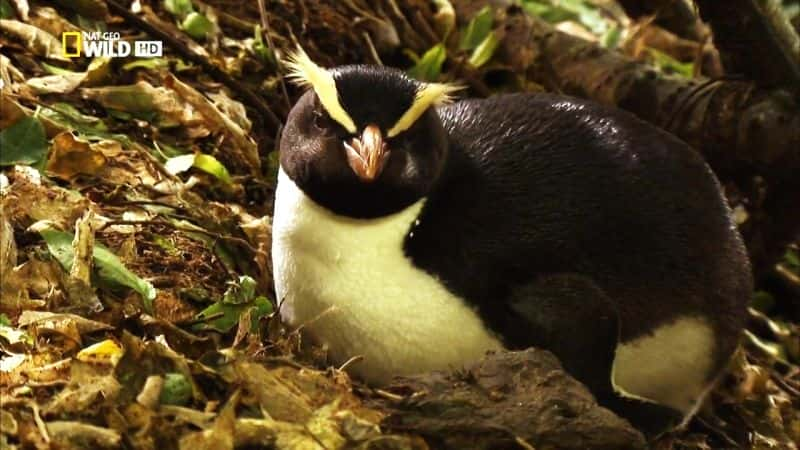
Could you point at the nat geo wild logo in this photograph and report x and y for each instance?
(106, 44)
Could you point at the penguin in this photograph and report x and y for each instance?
(413, 233)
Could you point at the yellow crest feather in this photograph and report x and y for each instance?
(429, 94)
(305, 72)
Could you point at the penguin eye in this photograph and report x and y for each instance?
(322, 122)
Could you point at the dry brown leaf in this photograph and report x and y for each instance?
(26, 201)
(8, 246)
(142, 97)
(46, 319)
(89, 386)
(79, 435)
(23, 9)
(8, 424)
(23, 369)
(220, 435)
(231, 108)
(273, 433)
(70, 157)
(218, 121)
(9, 74)
(49, 20)
(56, 84)
(38, 41)
(325, 428)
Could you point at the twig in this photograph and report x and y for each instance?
(523, 443)
(372, 50)
(178, 228)
(148, 203)
(265, 31)
(713, 429)
(789, 278)
(426, 27)
(228, 19)
(252, 98)
(389, 395)
(350, 362)
(777, 378)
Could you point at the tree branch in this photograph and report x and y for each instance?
(755, 39)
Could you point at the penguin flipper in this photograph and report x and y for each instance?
(572, 317)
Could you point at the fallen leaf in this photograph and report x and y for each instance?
(218, 121)
(43, 318)
(477, 30)
(15, 336)
(220, 435)
(56, 84)
(202, 161)
(70, 157)
(197, 25)
(38, 41)
(484, 51)
(24, 142)
(143, 100)
(49, 20)
(223, 315)
(79, 434)
(109, 267)
(103, 352)
(90, 386)
(177, 389)
(429, 66)
(26, 201)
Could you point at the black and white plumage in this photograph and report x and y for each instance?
(420, 234)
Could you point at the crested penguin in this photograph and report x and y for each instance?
(419, 233)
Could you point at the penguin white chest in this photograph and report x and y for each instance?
(349, 281)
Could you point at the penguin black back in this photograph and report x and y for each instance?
(605, 194)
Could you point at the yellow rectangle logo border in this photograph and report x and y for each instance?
(78, 41)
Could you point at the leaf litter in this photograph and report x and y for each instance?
(136, 301)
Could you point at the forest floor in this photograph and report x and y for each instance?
(137, 308)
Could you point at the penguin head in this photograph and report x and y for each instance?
(363, 141)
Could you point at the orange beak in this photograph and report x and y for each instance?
(367, 155)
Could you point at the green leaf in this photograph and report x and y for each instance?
(197, 25)
(179, 8)
(582, 11)
(6, 10)
(55, 70)
(4, 320)
(669, 64)
(223, 315)
(429, 66)
(241, 292)
(610, 38)
(147, 63)
(263, 308)
(477, 30)
(260, 48)
(177, 389)
(548, 13)
(792, 259)
(484, 51)
(211, 165)
(24, 142)
(202, 161)
(763, 301)
(107, 264)
(68, 115)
